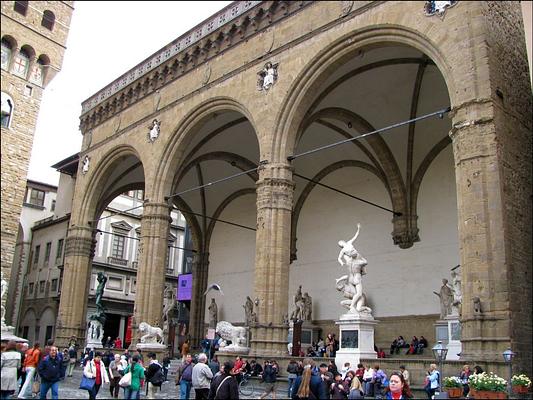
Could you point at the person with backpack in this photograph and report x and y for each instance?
(184, 377)
(154, 376)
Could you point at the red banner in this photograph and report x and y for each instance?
(127, 339)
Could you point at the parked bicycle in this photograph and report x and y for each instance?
(246, 386)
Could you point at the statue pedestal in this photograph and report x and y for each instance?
(8, 333)
(356, 338)
(234, 349)
(308, 334)
(448, 331)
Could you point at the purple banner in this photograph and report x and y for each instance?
(184, 287)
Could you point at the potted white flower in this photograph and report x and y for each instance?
(520, 383)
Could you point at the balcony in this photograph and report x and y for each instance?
(117, 261)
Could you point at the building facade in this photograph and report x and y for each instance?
(223, 123)
(34, 34)
(39, 203)
(116, 255)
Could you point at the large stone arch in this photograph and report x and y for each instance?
(173, 157)
(94, 193)
(294, 108)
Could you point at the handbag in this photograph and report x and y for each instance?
(125, 381)
(87, 383)
(35, 387)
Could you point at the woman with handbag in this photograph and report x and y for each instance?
(30, 365)
(95, 371)
(136, 373)
(10, 364)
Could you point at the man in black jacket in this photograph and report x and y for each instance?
(224, 386)
(270, 373)
(51, 370)
(154, 376)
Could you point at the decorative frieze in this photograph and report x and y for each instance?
(226, 29)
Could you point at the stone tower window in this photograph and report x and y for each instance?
(48, 19)
(7, 110)
(7, 51)
(21, 7)
(21, 64)
(37, 71)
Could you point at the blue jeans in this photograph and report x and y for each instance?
(45, 387)
(291, 384)
(185, 389)
(130, 394)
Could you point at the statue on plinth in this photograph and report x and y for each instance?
(352, 284)
(446, 299)
(457, 291)
(213, 314)
(169, 303)
(248, 311)
(299, 306)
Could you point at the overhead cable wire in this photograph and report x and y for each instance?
(396, 213)
(439, 113)
(214, 219)
(217, 181)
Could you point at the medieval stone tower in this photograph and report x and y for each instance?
(34, 35)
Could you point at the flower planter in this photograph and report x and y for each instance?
(454, 393)
(487, 394)
(522, 389)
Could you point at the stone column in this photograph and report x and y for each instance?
(484, 262)
(272, 258)
(200, 271)
(153, 247)
(79, 251)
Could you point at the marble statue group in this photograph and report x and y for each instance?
(351, 285)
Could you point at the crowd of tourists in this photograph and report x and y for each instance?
(324, 381)
(416, 346)
(26, 372)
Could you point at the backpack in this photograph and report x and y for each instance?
(158, 378)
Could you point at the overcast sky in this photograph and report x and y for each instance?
(106, 39)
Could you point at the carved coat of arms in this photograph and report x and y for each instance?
(267, 76)
(438, 7)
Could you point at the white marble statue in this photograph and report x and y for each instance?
(267, 76)
(95, 333)
(154, 130)
(4, 291)
(299, 306)
(85, 167)
(457, 292)
(150, 334)
(237, 335)
(352, 284)
(213, 314)
(248, 311)
(308, 307)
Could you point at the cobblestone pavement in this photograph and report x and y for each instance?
(69, 389)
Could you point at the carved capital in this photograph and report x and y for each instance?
(405, 232)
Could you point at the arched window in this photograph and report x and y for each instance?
(37, 71)
(21, 7)
(21, 64)
(7, 110)
(7, 50)
(48, 19)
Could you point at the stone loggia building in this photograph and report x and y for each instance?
(262, 82)
(34, 35)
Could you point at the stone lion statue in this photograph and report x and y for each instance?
(151, 334)
(237, 334)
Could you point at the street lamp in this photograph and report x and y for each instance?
(439, 352)
(508, 358)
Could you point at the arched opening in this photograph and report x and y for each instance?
(220, 142)
(408, 172)
(48, 20)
